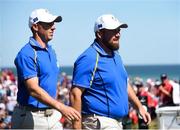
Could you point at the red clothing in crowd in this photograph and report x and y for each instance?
(166, 97)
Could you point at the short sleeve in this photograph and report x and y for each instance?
(26, 67)
(83, 69)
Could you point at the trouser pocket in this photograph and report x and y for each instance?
(18, 118)
(90, 123)
(107, 123)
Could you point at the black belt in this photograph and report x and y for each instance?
(46, 111)
(33, 109)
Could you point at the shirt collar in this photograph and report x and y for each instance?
(35, 43)
(99, 49)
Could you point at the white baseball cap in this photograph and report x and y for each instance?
(43, 15)
(108, 21)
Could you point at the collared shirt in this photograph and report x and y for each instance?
(108, 94)
(35, 61)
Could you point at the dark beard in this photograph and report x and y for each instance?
(111, 47)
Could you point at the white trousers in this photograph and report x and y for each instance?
(100, 122)
(24, 119)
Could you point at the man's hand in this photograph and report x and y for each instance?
(70, 114)
(145, 115)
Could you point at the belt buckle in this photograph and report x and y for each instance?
(48, 112)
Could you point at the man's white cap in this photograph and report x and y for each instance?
(108, 21)
(43, 15)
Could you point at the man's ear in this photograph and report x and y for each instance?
(35, 27)
(99, 34)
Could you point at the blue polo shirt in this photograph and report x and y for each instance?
(35, 61)
(108, 94)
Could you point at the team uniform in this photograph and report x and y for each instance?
(96, 71)
(35, 61)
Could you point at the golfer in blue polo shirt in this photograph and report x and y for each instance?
(38, 71)
(100, 88)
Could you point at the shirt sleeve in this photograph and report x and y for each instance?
(26, 67)
(83, 69)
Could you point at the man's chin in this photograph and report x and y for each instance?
(115, 48)
(50, 38)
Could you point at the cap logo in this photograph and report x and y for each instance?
(113, 18)
(46, 11)
(35, 19)
(99, 25)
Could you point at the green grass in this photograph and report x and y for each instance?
(154, 125)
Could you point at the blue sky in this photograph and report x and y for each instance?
(153, 35)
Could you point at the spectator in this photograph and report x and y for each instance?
(166, 90)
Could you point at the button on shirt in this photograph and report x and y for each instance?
(35, 61)
(108, 94)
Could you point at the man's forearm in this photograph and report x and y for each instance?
(133, 97)
(75, 99)
(40, 94)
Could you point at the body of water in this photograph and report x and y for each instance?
(154, 71)
(143, 71)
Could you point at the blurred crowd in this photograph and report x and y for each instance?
(8, 92)
(153, 93)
